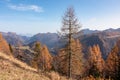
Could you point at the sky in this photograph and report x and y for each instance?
(41, 16)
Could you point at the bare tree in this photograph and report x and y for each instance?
(70, 27)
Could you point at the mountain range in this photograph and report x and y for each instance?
(106, 39)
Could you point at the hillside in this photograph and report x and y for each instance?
(13, 69)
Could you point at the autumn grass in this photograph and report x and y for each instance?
(13, 69)
(92, 78)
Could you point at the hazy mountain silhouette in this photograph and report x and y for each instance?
(49, 39)
(15, 39)
(105, 39)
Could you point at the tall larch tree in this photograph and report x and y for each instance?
(70, 27)
(77, 60)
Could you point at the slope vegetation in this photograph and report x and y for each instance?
(13, 69)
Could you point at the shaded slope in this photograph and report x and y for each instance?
(49, 39)
(105, 39)
(91, 41)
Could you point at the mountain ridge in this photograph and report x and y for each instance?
(106, 37)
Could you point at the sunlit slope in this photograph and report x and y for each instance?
(13, 69)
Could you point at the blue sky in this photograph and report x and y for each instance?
(34, 16)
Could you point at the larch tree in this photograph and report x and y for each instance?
(42, 58)
(96, 61)
(77, 60)
(45, 59)
(70, 27)
(35, 61)
(113, 62)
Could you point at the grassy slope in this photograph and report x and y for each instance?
(12, 69)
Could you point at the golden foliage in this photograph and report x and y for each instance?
(4, 47)
(96, 62)
(76, 59)
(95, 59)
(113, 62)
(43, 58)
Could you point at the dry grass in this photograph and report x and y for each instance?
(55, 76)
(13, 69)
(92, 78)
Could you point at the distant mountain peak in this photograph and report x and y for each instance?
(88, 31)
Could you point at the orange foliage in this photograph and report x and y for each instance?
(4, 47)
(43, 58)
(61, 60)
(95, 58)
(46, 58)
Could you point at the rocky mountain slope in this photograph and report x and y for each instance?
(14, 39)
(105, 39)
(49, 39)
